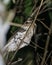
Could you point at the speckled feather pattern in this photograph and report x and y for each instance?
(14, 42)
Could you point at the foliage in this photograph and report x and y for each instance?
(29, 53)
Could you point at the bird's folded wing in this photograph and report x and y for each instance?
(24, 34)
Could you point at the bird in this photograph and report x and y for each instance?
(15, 42)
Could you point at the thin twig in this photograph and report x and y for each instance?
(41, 58)
(37, 45)
(48, 9)
(51, 61)
(46, 46)
(45, 5)
(48, 56)
(16, 24)
(43, 24)
(38, 10)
